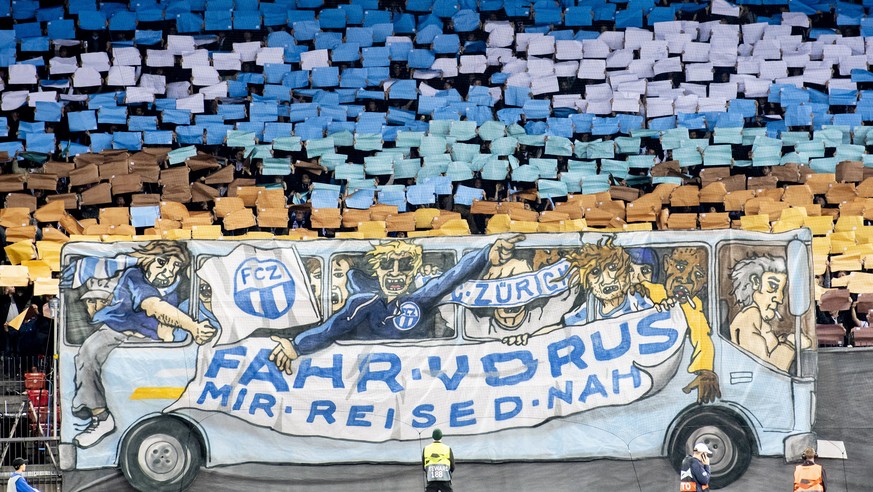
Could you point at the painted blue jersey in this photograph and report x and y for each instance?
(369, 316)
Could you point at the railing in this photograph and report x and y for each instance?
(41, 453)
(28, 419)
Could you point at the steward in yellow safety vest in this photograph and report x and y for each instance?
(438, 462)
(809, 476)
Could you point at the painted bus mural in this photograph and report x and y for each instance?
(177, 355)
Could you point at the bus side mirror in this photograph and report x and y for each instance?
(799, 277)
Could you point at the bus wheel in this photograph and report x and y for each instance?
(161, 455)
(725, 437)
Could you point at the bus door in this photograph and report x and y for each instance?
(757, 333)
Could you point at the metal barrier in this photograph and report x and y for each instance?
(28, 420)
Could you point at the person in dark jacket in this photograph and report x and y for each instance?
(438, 462)
(694, 476)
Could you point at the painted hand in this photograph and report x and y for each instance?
(203, 332)
(516, 339)
(786, 339)
(430, 271)
(706, 383)
(666, 305)
(283, 355)
(503, 250)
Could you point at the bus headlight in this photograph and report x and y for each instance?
(68, 456)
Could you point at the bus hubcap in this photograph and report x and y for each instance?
(162, 457)
(723, 452)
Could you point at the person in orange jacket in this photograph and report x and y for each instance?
(809, 476)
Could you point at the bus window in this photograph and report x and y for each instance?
(605, 281)
(339, 280)
(356, 273)
(86, 301)
(316, 281)
(82, 303)
(754, 297)
(488, 323)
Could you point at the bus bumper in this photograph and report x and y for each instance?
(68, 456)
(795, 444)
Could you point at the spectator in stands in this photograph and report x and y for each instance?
(300, 220)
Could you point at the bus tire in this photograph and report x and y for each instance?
(726, 438)
(161, 455)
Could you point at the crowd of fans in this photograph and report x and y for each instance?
(373, 118)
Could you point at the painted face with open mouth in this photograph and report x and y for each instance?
(606, 282)
(395, 273)
(685, 280)
(339, 284)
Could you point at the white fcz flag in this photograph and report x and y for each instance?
(256, 288)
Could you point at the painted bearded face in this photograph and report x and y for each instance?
(685, 272)
(769, 295)
(395, 273)
(162, 272)
(641, 272)
(608, 281)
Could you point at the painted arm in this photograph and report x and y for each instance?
(701, 338)
(699, 331)
(342, 322)
(469, 267)
(703, 350)
(170, 317)
(746, 327)
(352, 314)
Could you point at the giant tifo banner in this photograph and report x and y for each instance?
(337, 349)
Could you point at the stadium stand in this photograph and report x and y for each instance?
(364, 119)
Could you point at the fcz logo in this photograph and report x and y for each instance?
(263, 288)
